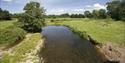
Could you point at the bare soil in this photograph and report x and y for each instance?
(114, 53)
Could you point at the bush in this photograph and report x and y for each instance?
(32, 19)
(29, 23)
(11, 35)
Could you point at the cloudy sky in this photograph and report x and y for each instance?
(55, 6)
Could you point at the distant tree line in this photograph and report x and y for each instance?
(97, 14)
(65, 15)
(5, 15)
(115, 10)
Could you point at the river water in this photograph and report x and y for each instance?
(63, 46)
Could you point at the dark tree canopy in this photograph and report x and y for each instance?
(102, 14)
(95, 14)
(4, 15)
(77, 16)
(33, 18)
(116, 9)
(88, 14)
(99, 14)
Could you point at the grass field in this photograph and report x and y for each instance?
(104, 31)
(7, 23)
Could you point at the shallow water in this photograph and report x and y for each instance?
(63, 46)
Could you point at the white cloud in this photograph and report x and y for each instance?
(99, 6)
(96, 6)
(62, 11)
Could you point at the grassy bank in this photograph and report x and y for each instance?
(9, 33)
(7, 23)
(18, 53)
(104, 31)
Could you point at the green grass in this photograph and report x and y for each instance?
(18, 52)
(9, 33)
(7, 23)
(104, 31)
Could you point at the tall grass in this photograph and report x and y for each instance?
(9, 33)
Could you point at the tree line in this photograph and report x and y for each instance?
(65, 15)
(115, 10)
(5, 15)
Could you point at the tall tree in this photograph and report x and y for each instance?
(4, 15)
(102, 13)
(95, 14)
(116, 9)
(33, 18)
(87, 14)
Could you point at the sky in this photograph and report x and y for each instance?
(56, 6)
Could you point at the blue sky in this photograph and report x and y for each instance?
(55, 6)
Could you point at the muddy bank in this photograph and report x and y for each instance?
(63, 46)
(113, 52)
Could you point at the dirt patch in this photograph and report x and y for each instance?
(113, 52)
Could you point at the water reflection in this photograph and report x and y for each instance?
(63, 46)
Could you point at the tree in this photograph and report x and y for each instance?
(33, 18)
(77, 16)
(4, 15)
(64, 15)
(102, 14)
(116, 9)
(16, 15)
(88, 14)
(99, 14)
(122, 10)
(95, 14)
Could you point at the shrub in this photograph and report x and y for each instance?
(33, 18)
(11, 35)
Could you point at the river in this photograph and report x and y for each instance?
(63, 46)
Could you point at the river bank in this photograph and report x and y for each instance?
(24, 52)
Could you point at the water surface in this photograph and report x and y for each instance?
(63, 46)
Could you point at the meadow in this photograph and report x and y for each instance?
(102, 30)
(7, 23)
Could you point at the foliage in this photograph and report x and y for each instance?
(116, 9)
(77, 16)
(21, 49)
(100, 14)
(88, 14)
(4, 15)
(33, 18)
(16, 15)
(95, 14)
(11, 35)
(65, 15)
